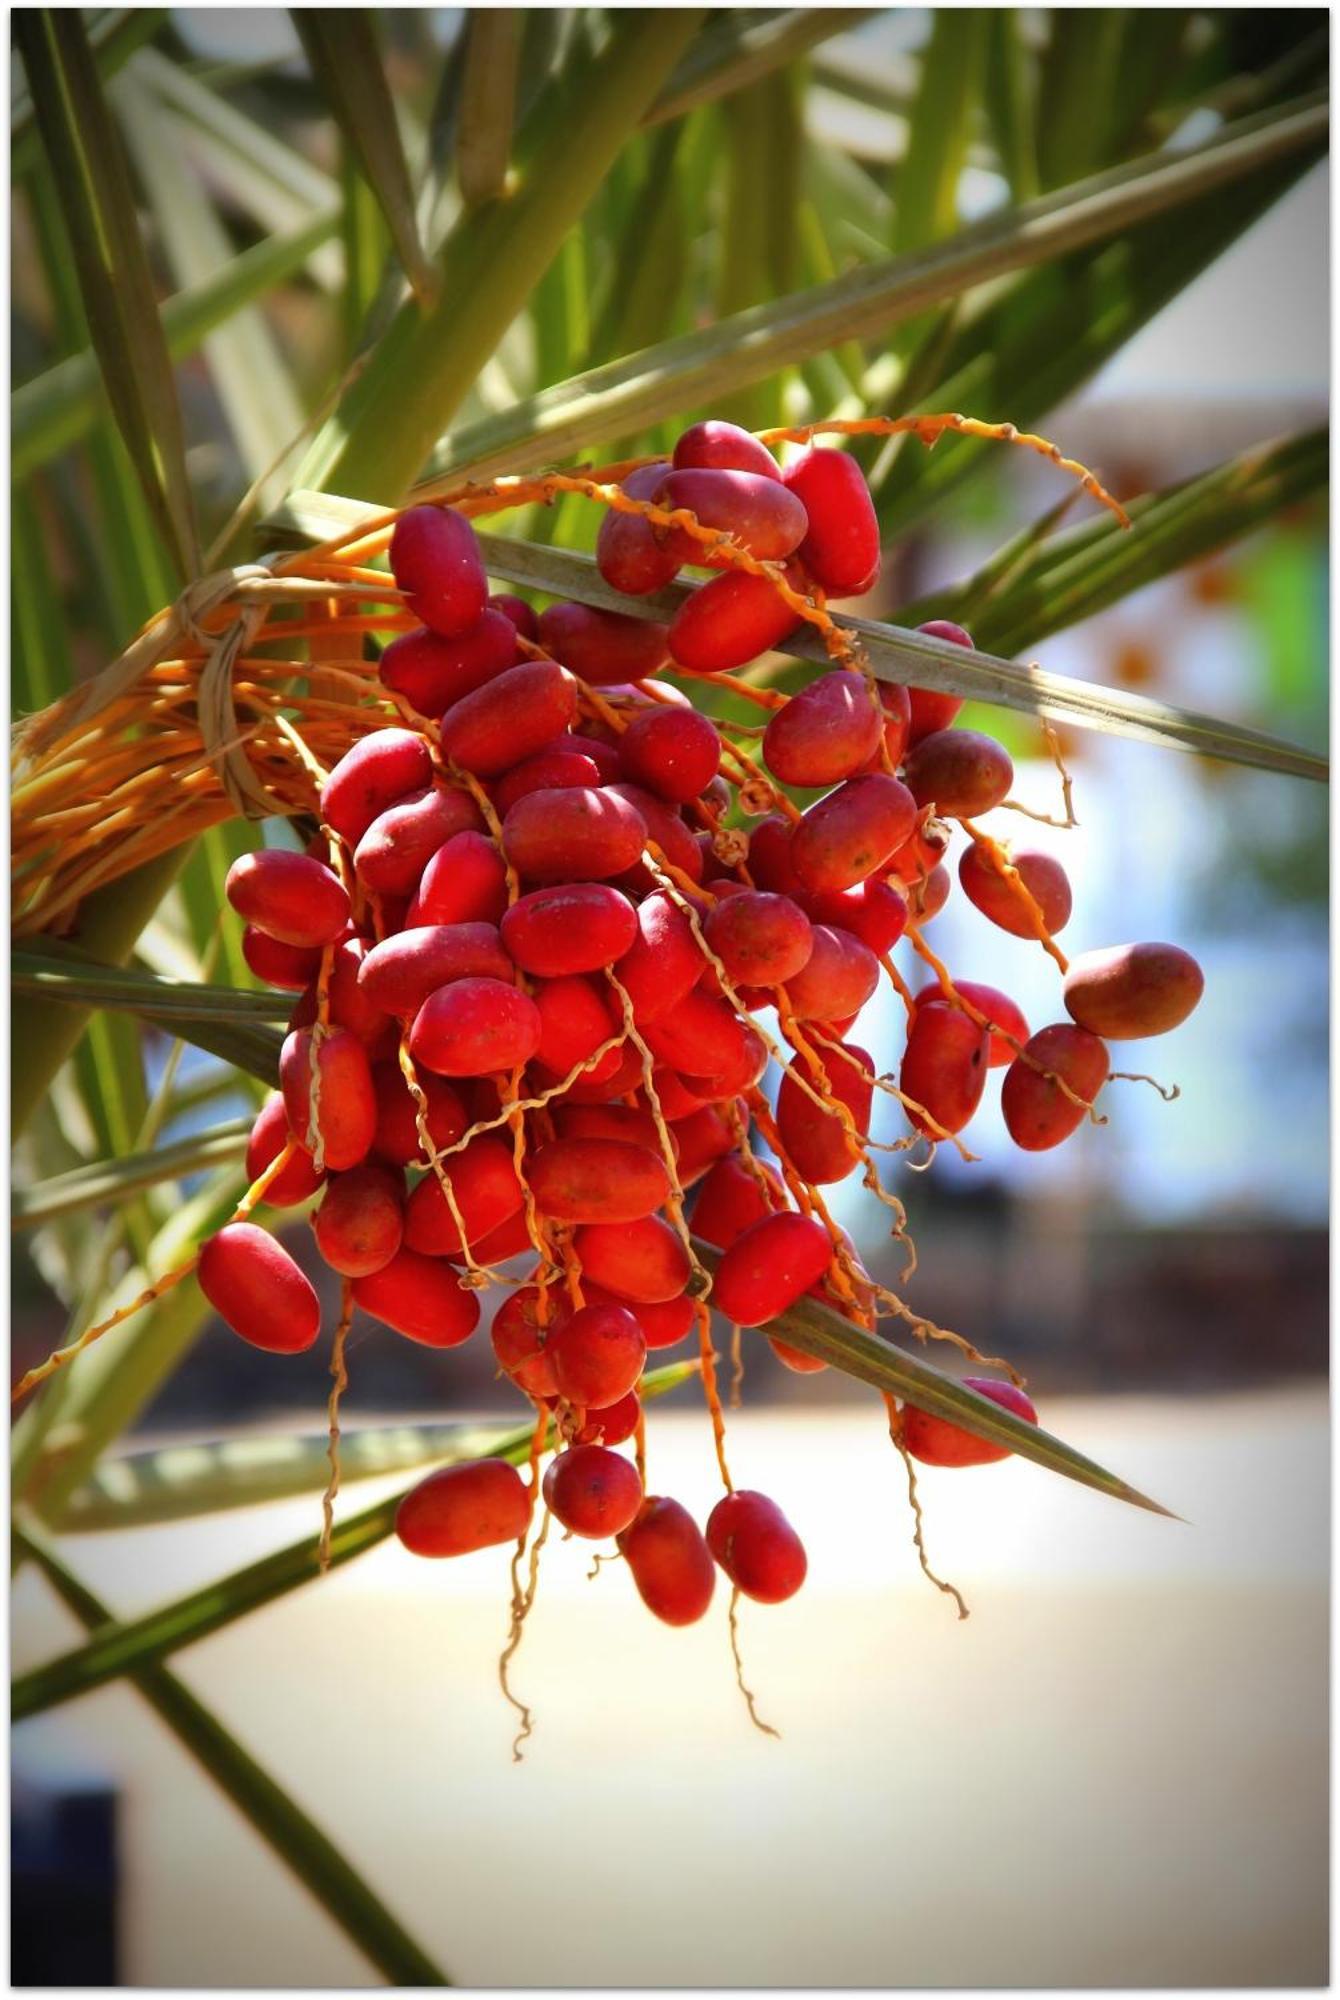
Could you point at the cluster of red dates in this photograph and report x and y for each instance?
(533, 942)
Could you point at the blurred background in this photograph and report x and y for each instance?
(1114, 1773)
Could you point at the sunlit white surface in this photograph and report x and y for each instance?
(1132, 1721)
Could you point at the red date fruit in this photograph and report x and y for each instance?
(770, 859)
(592, 1492)
(959, 772)
(700, 1139)
(584, 834)
(361, 1219)
(762, 939)
(927, 897)
(596, 1180)
(391, 856)
(522, 615)
(257, 1289)
(572, 927)
(841, 550)
(998, 898)
(639, 1262)
(871, 911)
(549, 770)
(839, 977)
(827, 732)
(935, 1441)
(432, 673)
(509, 718)
(757, 1547)
(725, 446)
(630, 553)
(597, 1356)
(769, 1267)
(756, 510)
(435, 560)
(729, 622)
(295, 1182)
(1038, 1113)
(290, 967)
(486, 1191)
(463, 1508)
(347, 1105)
(421, 1298)
(731, 1201)
(603, 648)
(400, 973)
(380, 768)
(931, 708)
(475, 1027)
(1130, 990)
(576, 1019)
(663, 1321)
(665, 829)
(289, 896)
(465, 882)
(397, 1137)
(999, 1010)
(817, 1142)
(944, 1069)
(670, 1562)
(664, 962)
(520, 1337)
(673, 752)
(848, 835)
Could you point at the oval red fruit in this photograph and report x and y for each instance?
(463, 1508)
(255, 1286)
